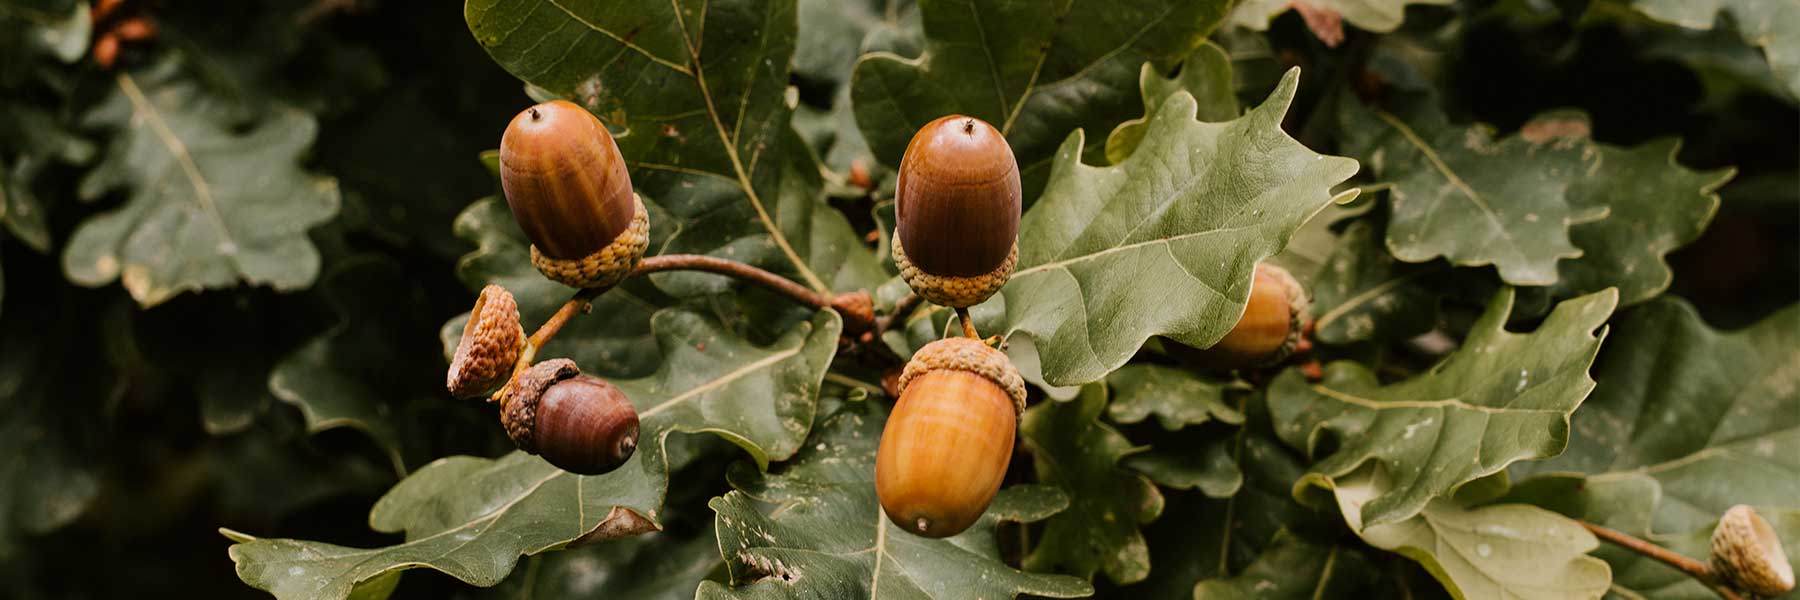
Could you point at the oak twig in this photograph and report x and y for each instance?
(1693, 568)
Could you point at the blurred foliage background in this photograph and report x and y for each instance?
(141, 411)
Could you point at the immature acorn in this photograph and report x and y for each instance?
(1266, 334)
(956, 236)
(1747, 553)
(490, 346)
(950, 437)
(570, 192)
(579, 423)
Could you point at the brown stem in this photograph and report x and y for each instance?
(770, 281)
(901, 309)
(1693, 568)
(968, 324)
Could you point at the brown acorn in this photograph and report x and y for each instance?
(579, 423)
(1748, 554)
(570, 192)
(1267, 333)
(949, 439)
(490, 345)
(957, 212)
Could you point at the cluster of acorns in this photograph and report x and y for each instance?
(949, 439)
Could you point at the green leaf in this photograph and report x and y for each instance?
(472, 518)
(1458, 193)
(51, 389)
(1036, 70)
(696, 95)
(41, 30)
(1164, 243)
(654, 565)
(812, 528)
(1774, 26)
(1295, 568)
(209, 207)
(1073, 450)
(1178, 397)
(1655, 206)
(1362, 293)
(1380, 16)
(347, 376)
(1675, 391)
(1502, 397)
(1193, 461)
(1501, 551)
(1205, 74)
(1686, 422)
(834, 33)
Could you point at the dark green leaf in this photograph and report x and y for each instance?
(1654, 207)
(1775, 26)
(1294, 568)
(1164, 243)
(1074, 451)
(812, 528)
(472, 518)
(1502, 397)
(209, 207)
(1178, 397)
(1456, 192)
(1036, 70)
(1205, 75)
(1363, 294)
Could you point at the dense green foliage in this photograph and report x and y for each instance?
(1550, 246)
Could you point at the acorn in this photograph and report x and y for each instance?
(1267, 333)
(949, 439)
(956, 236)
(1747, 553)
(490, 345)
(569, 190)
(579, 423)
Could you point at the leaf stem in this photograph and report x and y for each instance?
(1693, 568)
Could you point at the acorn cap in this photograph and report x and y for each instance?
(490, 345)
(952, 291)
(1747, 553)
(607, 266)
(964, 354)
(579, 423)
(565, 180)
(957, 198)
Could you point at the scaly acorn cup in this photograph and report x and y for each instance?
(949, 439)
(1747, 553)
(956, 235)
(490, 346)
(570, 192)
(1266, 334)
(579, 423)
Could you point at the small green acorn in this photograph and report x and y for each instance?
(956, 232)
(569, 189)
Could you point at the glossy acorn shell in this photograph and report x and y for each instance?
(944, 452)
(565, 180)
(957, 198)
(586, 425)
